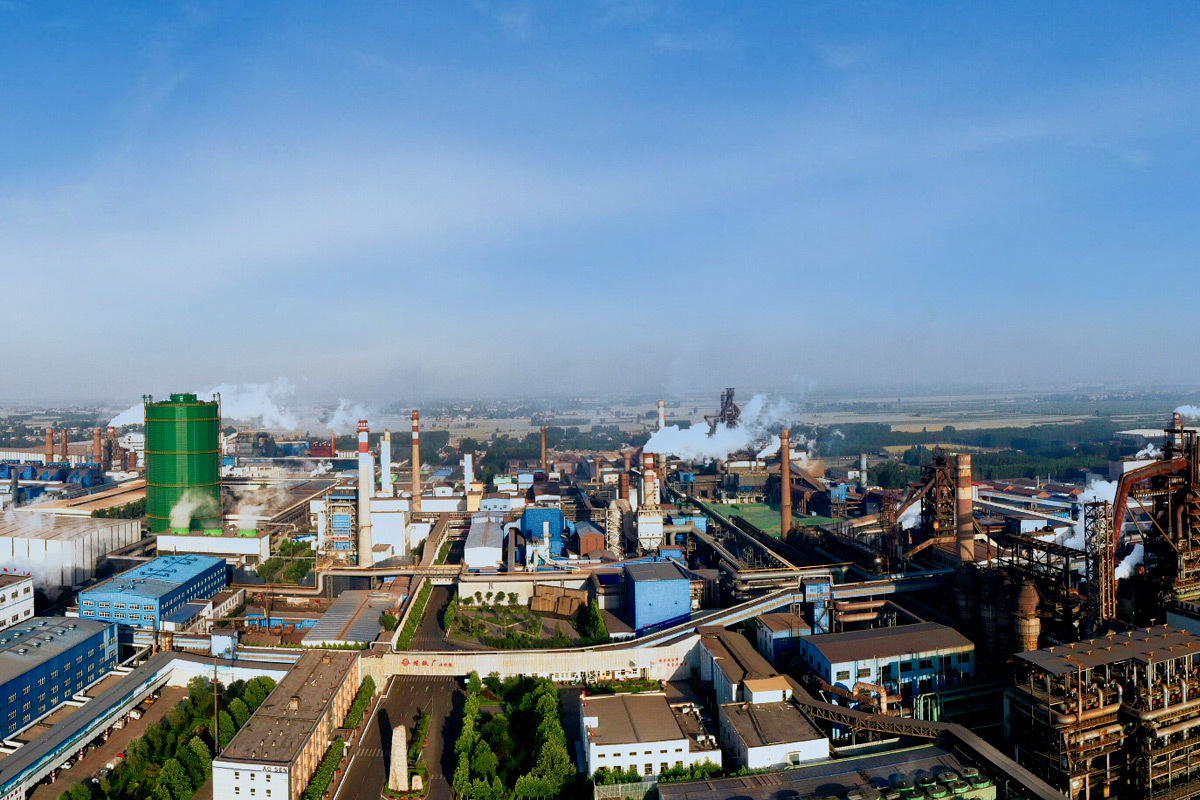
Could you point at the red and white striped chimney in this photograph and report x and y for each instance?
(662, 414)
(366, 482)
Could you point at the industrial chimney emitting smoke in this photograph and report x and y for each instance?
(385, 464)
(785, 482)
(49, 445)
(545, 462)
(366, 479)
(416, 462)
(964, 508)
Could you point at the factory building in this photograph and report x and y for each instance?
(779, 635)
(905, 659)
(16, 598)
(275, 753)
(644, 733)
(61, 551)
(44, 661)
(731, 667)
(656, 594)
(154, 593)
(544, 527)
(484, 548)
(770, 735)
(1116, 716)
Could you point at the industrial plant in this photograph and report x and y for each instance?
(725, 595)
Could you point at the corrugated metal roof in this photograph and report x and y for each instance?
(1147, 645)
(923, 637)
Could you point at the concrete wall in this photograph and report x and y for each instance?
(669, 662)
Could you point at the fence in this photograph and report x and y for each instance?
(645, 789)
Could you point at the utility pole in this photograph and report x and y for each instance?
(216, 713)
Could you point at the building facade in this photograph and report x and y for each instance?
(656, 594)
(644, 733)
(145, 595)
(44, 661)
(276, 752)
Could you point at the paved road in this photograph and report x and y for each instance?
(117, 742)
(442, 698)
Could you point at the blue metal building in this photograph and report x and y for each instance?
(532, 525)
(148, 593)
(45, 660)
(656, 594)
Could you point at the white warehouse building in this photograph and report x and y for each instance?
(485, 541)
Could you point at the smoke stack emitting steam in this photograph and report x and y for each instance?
(366, 481)
(695, 444)
(416, 462)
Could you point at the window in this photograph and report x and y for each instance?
(678, 765)
(26, 590)
(646, 769)
(843, 675)
(926, 663)
(85, 602)
(662, 767)
(906, 666)
(41, 681)
(105, 605)
(963, 658)
(864, 672)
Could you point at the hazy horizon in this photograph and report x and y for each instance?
(609, 198)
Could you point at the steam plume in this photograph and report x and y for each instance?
(695, 444)
(190, 506)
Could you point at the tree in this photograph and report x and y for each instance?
(175, 779)
(483, 760)
(225, 729)
(253, 695)
(388, 621)
(474, 685)
(512, 598)
(197, 746)
(192, 765)
(239, 711)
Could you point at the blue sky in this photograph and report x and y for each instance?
(404, 200)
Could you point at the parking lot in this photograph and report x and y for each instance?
(117, 742)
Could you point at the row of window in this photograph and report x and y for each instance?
(634, 754)
(15, 595)
(107, 604)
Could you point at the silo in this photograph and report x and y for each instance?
(183, 463)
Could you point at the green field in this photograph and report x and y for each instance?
(766, 517)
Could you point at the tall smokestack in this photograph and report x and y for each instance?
(964, 508)
(545, 461)
(333, 443)
(416, 462)
(49, 445)
(662, 414)
(628, 460)
(366, 481)
(385, 464)
(650, 496)
(97, 446)
(862, 470)
(110, 448)
(785, 481)
(468, 470)
(66, 456)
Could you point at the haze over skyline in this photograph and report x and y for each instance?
(480, 198)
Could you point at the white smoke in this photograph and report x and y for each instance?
(758, 420)
(1191, 412)
(1097, 490)
(321, 468)
(190, 506)
(801, 446)
(1149, 451)
(838, 434)
(346, 416)
(256, 403)
(261, 503)
(911, 517)
(1125, 568)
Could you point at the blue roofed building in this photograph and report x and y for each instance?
(656, 593)
(46, 660)
(539, 523)
(151, 594)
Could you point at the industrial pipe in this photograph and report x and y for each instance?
(1145, 716)
(860, 616)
